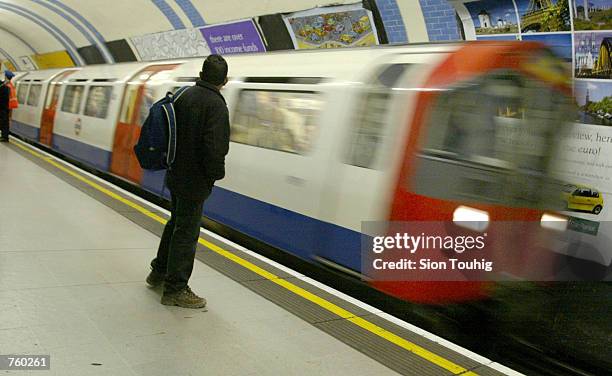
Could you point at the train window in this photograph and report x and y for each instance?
(187, 79)
(277, 120)
(72, 98)
(34, 96)
(475, 120)
(98, 100)
(370, 117)
(491, 140)
(22, 92)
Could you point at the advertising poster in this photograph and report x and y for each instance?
(233, 38)
(493, 16)
(561, 44)
(332, 27)
(594, 99)
(593, 54)
(170, 45)
(592, 14)
(49, 60)
(8, 65)
(585, 167)
(544, 15)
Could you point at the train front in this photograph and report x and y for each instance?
(475, 199)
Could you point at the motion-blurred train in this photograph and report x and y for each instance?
(322, 141)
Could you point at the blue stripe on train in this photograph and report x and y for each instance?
(298, 234)
(96, 157)
(25, 130)
(301, 235)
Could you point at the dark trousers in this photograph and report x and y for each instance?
(176, 252)
(4, 124)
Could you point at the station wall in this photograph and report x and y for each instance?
(91, 33)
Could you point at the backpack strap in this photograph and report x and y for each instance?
(179, 92)
(171, 118)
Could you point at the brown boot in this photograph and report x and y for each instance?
(184, 298)
(155, 279)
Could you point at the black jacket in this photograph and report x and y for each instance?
(202, 123)
(5, 94)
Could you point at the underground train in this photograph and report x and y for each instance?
(321, 141)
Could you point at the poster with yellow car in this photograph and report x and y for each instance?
(332, 27)
(582, 198)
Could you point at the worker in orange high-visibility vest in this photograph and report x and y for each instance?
(13, 103)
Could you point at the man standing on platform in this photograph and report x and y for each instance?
(202, 123)
(13, 102)
(5, 97)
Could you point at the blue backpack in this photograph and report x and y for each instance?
(156, 147)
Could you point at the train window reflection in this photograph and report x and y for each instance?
(34, 96)
(278, 120)
(493, 139)
(98, 100)
(22, 92)
(72, 98)
(479, 121)
(371, 117)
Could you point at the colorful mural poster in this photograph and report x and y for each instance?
(493, 16)
(592, 14)
(332, 27)
(233, 38)
(593, 52)
(544, 15)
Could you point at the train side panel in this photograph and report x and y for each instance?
(31, 92)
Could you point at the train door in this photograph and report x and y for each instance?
(134, 109)
(50, 106)
(359, 179)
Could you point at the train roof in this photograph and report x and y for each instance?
(342, 64)
(110, 72)
(40, 75)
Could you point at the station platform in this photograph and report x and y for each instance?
(74, 253)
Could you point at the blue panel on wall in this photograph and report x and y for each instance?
(440, 18)
(392, 20)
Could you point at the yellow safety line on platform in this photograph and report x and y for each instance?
(323, 303)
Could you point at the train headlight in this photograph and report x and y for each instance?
(471, 218)
(553, 222)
